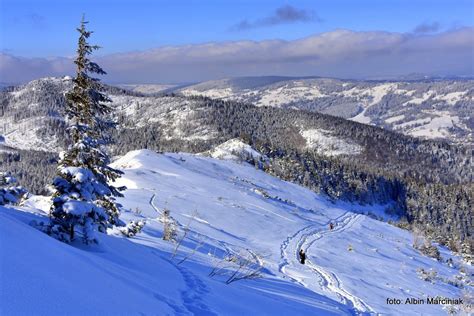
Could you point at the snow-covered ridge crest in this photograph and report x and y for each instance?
(135, 159)
(141, 161)
(234, 149)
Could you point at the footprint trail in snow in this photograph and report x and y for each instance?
(313, 276)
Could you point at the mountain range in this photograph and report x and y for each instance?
(423, 181)
(426, 108)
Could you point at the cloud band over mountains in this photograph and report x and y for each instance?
(340, 53)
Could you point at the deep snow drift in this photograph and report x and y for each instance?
(231, 207)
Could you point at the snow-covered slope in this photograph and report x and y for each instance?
(234, 149)
(230, 207)
(33, 115)
(325, 144)
(28, 110)
(147, 88)
(428, 109)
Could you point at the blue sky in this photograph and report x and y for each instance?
(39, 29)
(46, 28)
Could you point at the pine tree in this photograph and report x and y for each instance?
(10, 194)
(84, 202)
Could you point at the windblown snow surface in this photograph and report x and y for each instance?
(236, 208)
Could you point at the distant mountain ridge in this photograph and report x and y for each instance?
(428, 108)
(32, 118)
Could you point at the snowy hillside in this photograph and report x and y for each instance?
(230, 208)
(147, 88)
(25, 125)
(428, 109)
(32, 114)
(234, 149)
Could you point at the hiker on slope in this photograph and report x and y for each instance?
(302, 255)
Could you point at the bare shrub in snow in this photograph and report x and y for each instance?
(422, 244)
(171, 233)
(236, 266)
(430, 250)
(169, 226)
(428, 276)
(137, 211)
(184, 234)
(418, 238)
(196, 247)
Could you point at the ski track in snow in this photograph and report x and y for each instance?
(326, 280)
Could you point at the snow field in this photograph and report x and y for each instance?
(235, 208)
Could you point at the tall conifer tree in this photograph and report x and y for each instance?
(84, 200)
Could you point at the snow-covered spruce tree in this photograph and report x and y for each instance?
(83, 202)
(9, 193)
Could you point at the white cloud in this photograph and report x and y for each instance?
(339, 53)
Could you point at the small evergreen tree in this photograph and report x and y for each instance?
(132, 228)
(84, 201)
(9, 193)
